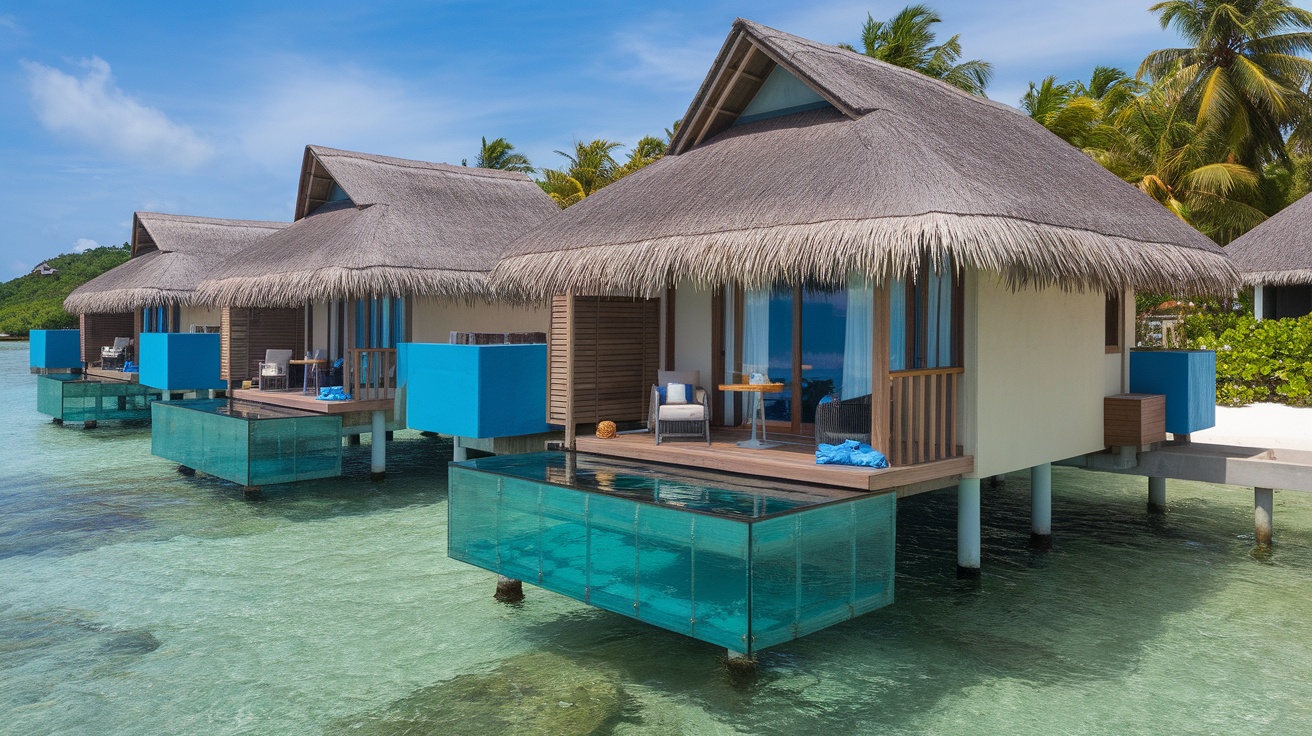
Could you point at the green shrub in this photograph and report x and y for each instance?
(1269, 360)
(35, 302)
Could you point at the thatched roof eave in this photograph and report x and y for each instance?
(113, 301)
(1287, 277)
(1023, 252)
(293, 288)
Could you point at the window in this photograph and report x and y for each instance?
(1112, 323)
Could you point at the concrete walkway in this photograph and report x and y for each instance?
(1260, 425)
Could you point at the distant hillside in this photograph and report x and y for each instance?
(35, 302)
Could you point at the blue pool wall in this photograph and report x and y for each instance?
(180, 361)
(480, 391)
(248, 452)
(729, 582)
(1188, 380)
(55, 349)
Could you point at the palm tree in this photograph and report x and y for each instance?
(1161, 149)
(500, 154)
(647, 151)
(591, 166)
(1079, 113)
(1241, 74)
(907, 40)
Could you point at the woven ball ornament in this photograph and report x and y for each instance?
(605, 430)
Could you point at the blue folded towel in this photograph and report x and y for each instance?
(850, 452)
(333, 393)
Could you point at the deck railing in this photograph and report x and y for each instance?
(924, 415)
(371, 373)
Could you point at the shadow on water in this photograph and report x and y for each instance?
(1084, 611)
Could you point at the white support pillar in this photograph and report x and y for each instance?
(1041, 506)
(1259, 301)
(378, 449)
(1263, 500)
(459, 453)
(1157, 495)
(968, 529)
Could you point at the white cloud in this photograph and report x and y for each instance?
(84, 244)
(93, 110)
(672, 61)
(346, 107)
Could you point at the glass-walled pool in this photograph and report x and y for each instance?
(249, 444)
(73, 398)
(729, 561)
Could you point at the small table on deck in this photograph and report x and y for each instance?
(756, 389)
(305, 373)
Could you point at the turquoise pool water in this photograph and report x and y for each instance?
(134, 600)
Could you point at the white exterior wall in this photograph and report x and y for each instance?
(197, 316)
(692, 331)
(434, 320)
(1035, 375)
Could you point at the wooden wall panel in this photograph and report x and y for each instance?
(99, 330)
(245, 334)
(614, 345)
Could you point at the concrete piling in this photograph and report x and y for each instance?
(1263, 500)
(1041, 506)
(1156, 495)
(968, 532)
(509, 590)
(378, 446)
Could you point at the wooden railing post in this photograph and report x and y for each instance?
(924, 405)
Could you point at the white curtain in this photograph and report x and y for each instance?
(858, 341)
(897, 327)
(756, 333)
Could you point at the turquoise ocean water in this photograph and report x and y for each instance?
(134, 600)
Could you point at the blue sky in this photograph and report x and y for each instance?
(205, 109)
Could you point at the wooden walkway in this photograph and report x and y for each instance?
(791, 461)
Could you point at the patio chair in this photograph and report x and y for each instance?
(843, 419)
(115, 355)
(691, 419)
(274, 369)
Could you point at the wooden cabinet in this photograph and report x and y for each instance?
(1133, 420)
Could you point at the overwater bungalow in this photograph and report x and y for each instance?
(142, 323)
(1276, 260)
(834, 249)
(383, 252)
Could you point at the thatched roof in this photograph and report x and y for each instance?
(897, 168)
(171, 255)
(1277, 252)
(408, 228)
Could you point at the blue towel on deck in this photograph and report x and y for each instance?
(850, 452)
(333, 393)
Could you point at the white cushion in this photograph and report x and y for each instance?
(678, 393)
(681, 412)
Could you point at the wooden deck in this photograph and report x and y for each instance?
(110, 375)
(793, 461)
(294, 399)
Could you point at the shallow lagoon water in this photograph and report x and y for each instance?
(136, 600)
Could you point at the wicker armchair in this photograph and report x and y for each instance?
(845, 419)
(680, 420)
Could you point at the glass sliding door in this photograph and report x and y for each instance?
(811, 341)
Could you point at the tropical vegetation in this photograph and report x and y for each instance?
(35, 302)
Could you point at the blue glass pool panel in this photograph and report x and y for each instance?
(181, 361)
(475, 390)
(54, 349)
(1188, 380)
(73, 398)
(250, 448)
(740, 580)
